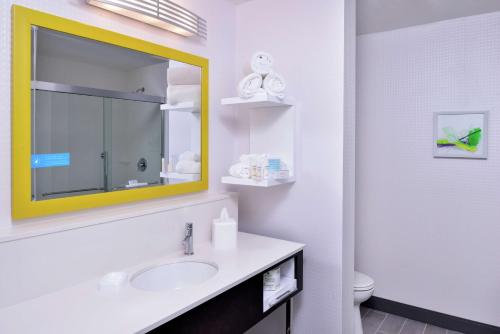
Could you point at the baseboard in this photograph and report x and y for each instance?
(431, 317)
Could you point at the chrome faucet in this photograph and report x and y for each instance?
(188, 239)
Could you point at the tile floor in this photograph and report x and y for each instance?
(377, 322)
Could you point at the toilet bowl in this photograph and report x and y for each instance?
(363, 289)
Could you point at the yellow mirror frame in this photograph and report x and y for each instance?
(22, 205)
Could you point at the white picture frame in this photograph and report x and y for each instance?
(461, 134)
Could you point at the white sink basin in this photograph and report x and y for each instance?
(174, 276)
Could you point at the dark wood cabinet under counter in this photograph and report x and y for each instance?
(239, 308)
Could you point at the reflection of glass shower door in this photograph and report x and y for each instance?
(133, 136)
(68, 124)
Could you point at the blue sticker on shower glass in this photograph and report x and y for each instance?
(50, 160)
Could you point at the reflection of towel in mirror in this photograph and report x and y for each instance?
(250, 85)
(184, 75)
(240, 170)
(184, 93)
(274, 85)
(188, 167)
(261, 62)
(189, 156)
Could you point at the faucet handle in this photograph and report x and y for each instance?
(189, 229)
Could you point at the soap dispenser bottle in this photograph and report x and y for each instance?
(224, 232)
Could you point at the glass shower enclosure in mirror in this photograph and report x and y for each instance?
(107, 118)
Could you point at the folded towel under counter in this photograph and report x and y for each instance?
(288, 285)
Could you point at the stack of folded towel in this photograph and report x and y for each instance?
(183, 85)
(263, 79)
(259, 167)
(189, 163)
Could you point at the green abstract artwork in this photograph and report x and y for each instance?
(460, 135)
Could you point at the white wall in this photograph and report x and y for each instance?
(219, 48)
(307, 42)
(427, 229)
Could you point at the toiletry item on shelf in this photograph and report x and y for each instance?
(184, 75)
(224, 232)
(261, 62)
(274, 85)
(272, 280)
(240, 170)
(172, 161)
(259, 167)
(163, 165)
(250, 86)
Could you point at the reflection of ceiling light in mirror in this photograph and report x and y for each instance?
(160, 13)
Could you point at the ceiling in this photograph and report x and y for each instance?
(382, 15)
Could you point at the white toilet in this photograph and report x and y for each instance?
(363, 289)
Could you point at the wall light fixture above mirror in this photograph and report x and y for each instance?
(164, 14)
(101, 118)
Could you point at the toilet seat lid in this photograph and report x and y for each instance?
(363, 282)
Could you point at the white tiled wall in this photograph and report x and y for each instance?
(427, 229)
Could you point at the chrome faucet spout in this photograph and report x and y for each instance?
(188, 239)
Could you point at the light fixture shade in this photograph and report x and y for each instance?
(161, 13)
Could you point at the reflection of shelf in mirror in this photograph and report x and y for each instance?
(182, 106)
(253, 183)
(180, 176)
(258, 101)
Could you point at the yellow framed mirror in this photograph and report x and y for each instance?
(112, 133)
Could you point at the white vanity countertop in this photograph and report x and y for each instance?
(84, 309)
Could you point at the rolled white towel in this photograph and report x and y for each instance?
(188, 167)
(250, 85)
(274, 85)
(262, 62)
(184, 75)
(184, 93)
(189, 156)
(240, 170)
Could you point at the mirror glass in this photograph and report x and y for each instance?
(107, 118)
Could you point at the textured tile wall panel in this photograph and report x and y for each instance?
(428, 229)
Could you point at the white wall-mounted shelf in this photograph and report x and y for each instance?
(182, 106)
(180, 176)
(253, 183)
(258, 101)
(269, 132)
